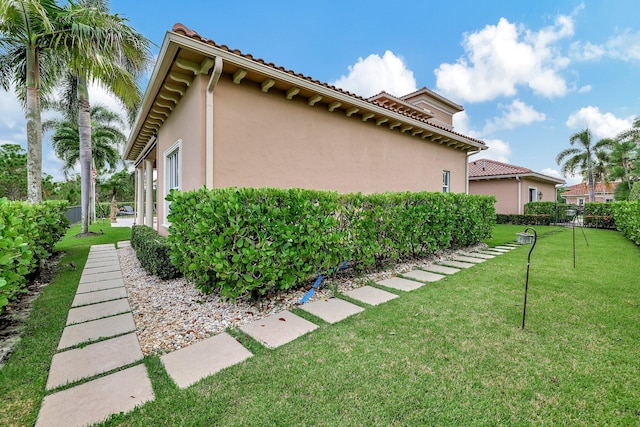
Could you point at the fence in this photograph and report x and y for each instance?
(74, 214)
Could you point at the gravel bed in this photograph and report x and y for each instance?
(172, 314)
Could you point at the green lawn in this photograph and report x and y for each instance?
(450, 353)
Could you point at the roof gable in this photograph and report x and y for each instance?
(491, 169)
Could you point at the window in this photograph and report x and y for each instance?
(533, 194)
(580, 202)
(172, 171)
(446, 176)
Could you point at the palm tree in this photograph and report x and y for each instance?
(106, 136)
(26, 31)
(623, 158)
(601, 166)
(101, 47)
(581, 159)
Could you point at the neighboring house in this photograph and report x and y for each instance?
(579, 194)
(513, 186)
(218, 117)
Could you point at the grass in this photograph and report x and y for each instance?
(450, 353)
(24, 376)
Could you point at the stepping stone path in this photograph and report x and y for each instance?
(100, 314)
(98, 371)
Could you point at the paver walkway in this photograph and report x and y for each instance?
(98, 370)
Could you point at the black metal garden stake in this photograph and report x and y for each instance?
(526, 286)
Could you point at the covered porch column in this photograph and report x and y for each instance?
(148, 206)
(139, 196)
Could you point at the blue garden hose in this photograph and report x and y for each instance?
(311, 291)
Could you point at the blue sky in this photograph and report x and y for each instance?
(529, 74)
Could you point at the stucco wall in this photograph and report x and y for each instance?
(185, 123)
(506, 192)
(263, 139)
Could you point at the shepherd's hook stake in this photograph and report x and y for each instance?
(526, 286)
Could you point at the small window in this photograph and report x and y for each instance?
(446, 176)
(580, 202)
(533, 194)
(172, 171)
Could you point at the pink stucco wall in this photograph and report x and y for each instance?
(263, 139)
(506, 192)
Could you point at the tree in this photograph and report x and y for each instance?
(106, 136)
(581, 160)
(623, 159)
(13, 172)
(120, 185)
(26, 32)
(103, 48)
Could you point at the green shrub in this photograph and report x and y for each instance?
(599, 215)
(152, 251)
(525, 219)
(627, 219)
(252, 241)
(28, 234)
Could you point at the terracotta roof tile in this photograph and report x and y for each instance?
(581, 189)
(486, 167)
(179, 28)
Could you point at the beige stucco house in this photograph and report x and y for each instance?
(513, 186)
(579, 194)
(218, 117)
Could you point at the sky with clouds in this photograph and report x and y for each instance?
(529, 74)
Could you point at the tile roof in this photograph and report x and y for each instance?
(179, 28)
(582, 190)
(485, 168)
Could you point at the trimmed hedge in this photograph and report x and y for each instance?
(247, 241)
(627, 219)
(28, 234)
(152, 251)
(525, 219)
(598, 214)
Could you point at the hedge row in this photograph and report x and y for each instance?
(599, 215)
(152, 251)
(252, 241)
(525, 219)
(627, 219)
(28, 234)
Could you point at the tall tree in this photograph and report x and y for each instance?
(101, 47)
(106, 137)
(26, 32)
(13, 172)
(581, 160)
(622, 161)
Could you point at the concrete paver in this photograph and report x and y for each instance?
(423, 276)
(190, 364)
(371, 295)
(102, 258)
(92, 278)
(481, 255)
(124, 244)
(472, 260)
(457, 264)
(103, 268)
(97, 311)
(278, 329)
(96, 329)
(99, 296)
(508, 248)
(441, 269)
(401, 284)
(96, 400)
(102, 247)
(94, 359)
(332, 310)
(99, 286)
(490, 252)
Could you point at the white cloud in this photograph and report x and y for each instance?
(374, 74)
(585, 89)
(500, 58)
(498, 151)
(624, 46)
(602, 125)
(513, 115)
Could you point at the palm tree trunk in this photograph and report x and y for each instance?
(34, 129)
(592, 194)
(84, 129)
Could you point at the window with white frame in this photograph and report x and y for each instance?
(533, 194)
(580, 201)
(172, 173)
(446, 180)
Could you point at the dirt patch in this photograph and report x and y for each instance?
(16, 313)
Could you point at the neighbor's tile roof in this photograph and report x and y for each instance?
(486, 167)
(183, 30)
(582, 190)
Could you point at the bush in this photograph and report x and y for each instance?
(252, 241)
(556, 211)
(599, 215)
(627, 219)
(28, 234)
(525, 219)
(152, 251)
